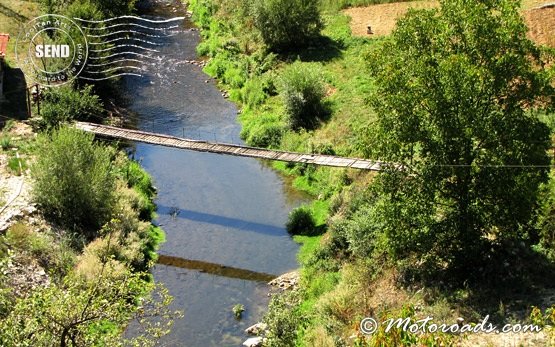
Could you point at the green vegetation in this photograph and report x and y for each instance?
(96, 264)
(282, 30)
(66, 104)
(108, 8)
(82, 261)
(74, 180)
(459, 115)
(459, 96)
(301, 222)
(302, 91)
(238, 310)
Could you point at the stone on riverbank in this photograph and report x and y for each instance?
(256, 329)
(286, 281)
(253, 342)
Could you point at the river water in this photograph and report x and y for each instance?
(223, 216)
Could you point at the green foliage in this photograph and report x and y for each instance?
(287, 24)
(302, 91)
(262, 129)
(238, 310)
(84, 9)
(83, 313)
(283, 320)
(74, 180)
(108, 8)
(301, 222)
(138, 179)
(256, 90)
(546, 218)
(203, 10)
(456, 86)
(65, 104)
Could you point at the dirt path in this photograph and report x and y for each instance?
(382, 18)
(14, 189)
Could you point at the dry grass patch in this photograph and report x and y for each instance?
(382, 18)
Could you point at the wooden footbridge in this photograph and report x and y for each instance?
(231, 149)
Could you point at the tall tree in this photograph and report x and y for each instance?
(457, 93)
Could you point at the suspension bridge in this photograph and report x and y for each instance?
(231, 149)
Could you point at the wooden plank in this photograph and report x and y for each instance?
(231, 149)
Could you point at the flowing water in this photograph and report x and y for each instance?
(223, 216)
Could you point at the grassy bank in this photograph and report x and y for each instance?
(338, 287)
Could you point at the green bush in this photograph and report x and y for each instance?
(74, 182)
(301, 222)
(283, 320)
(84, 9)
(265, 135)
(287, 24)
(65, 104)
(302, 91)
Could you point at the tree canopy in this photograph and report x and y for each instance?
(457, 93)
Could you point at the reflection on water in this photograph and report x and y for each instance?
(215, 269)
(226, 213)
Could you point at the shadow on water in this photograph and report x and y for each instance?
(215, 269)
(220, 220)
(15, 93)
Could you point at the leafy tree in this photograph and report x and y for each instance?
(457, 88)
(82, 313)
(287, 24)
(74, 181)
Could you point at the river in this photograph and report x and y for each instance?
(223, 216)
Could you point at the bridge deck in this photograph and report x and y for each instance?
(230, 149)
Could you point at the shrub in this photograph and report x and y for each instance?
(83, 9)
(265, 135)
(65, 104)
(73, 179)
(302, 91)
(283, 320)
(301, 222)
(286, 24)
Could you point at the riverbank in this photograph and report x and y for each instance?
(337, 289)
(44, 260)
(76, 232)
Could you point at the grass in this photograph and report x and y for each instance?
(308, 245)
(14, 14)
(5, 141)
(17, 165)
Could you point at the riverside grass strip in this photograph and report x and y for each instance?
(233, 149)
